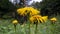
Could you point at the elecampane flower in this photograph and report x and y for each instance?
(36, 18)
(45, 18)
(26, 10)
(14, 21)
(53, 19)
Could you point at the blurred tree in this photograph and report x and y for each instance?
(36, 5)
(22, 2)
(48, 7)
(6, 7)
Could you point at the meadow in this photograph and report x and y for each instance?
(6, 27)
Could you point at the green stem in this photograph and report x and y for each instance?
(54, 27)
(25, 28)
(36, 28)
(15, 28)
(29, 28)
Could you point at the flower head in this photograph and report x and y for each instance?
(36, 19)
(45, 18)
(53, 19)
(14, 21)
(27, 10)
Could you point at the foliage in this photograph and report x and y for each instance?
(6, 27)
(6, 8)
(48, 7)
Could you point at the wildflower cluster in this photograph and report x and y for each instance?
(34, 15)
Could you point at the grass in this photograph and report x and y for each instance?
(6, 27)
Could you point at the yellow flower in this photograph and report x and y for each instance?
(14, 21)
(53, 19)
(36, 19)
(26, 10)
(45, 18)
